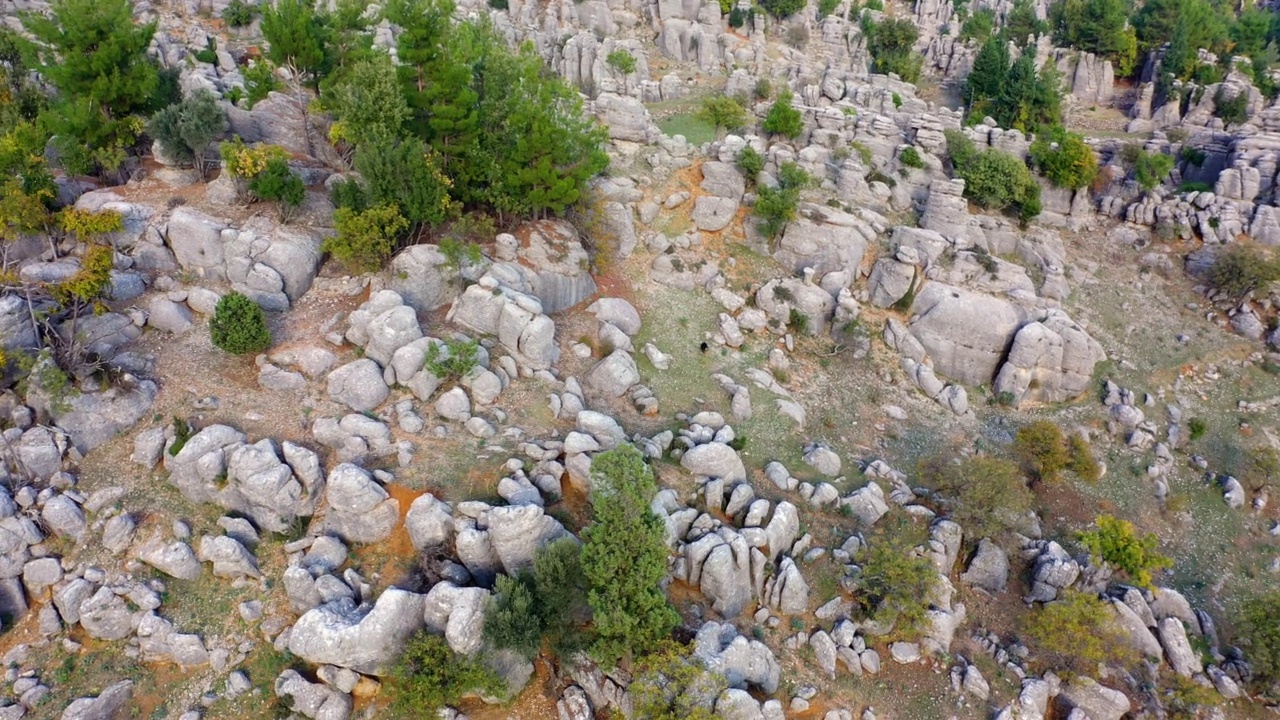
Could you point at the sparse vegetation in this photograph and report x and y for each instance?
(896, 583)
(986, 495)
(910, 157)
(777, 206)
(672, 686)
(994, 180)
(1042, 448)
(622, 61)
(452, 360)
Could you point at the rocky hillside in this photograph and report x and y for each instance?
(617, 358)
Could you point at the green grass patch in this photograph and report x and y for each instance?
(694, 130)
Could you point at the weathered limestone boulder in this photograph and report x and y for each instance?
(420, 275)
(363, 638)
(556, 262)
(989, 568)
(109, 705)
(93, 418)
(318, 701)
(831, 242)
(1051, 360)
(360, 510)
(743, 662)
(516, 318)
(358, 385)
(966, 334)
(613, 375)
(715, 460)
(1097, 701)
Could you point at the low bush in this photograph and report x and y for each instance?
(1042, 448)
(549, 603)
(783, 119)
(1077, 632)
(278, 183)
(429, 675)
(1258, 634)
(910, 157)
(1231, 110)
(777, 206)
(1196, 428)
(239, 13)
(1064, 158)
(671, 685)
(452, 359)
(365, 240)
(1082, 462)
(239, 326)
(751, 163)
(1119, 544)
(1241, 268)
(722, 113)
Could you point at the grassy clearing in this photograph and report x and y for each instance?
(694, 130)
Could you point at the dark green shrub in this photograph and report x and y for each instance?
(1151, 169)
(349, 194)
(826, 7)
(892, 47)
(777, 206)
(513, 621)
(1190, 186)
(910, 157)
(548, 603)
(783, 119)
(499, 4)
(278, 183)
(1241, 268)
(209, 54)
(185, 129)
(722, 113)
(751, 163)
(182, 432)
(239, 13)
(259, 81)
(670, 684)
(1196, 428)
(239, 326)
(429, 676)
(979, 25)
(994, 180)
(737, 17)
(1192, 155)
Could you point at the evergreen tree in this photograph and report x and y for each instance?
(298, 38)
(987, 78)
(367, 101)
(1015, 104)
(1022, 23)
(624, 557)
(1096, 26)
(92, 52)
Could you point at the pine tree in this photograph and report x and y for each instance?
(298, 38)
(1017, 97)
(91, 51)
(625, 559)
(987, 78)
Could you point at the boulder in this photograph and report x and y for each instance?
(359, 509)
(1177, 648)
(389, 331)
(312, 700)
(230, 559)
(617, 312)
(429, 522)
(965, 333)
(613, 375)
(715, 460)
(517, 532)
(105, 616)
(358, 385)
(1051, 361)
(714, 214)
(989, 568)
(422, 277)
(169, 316)
(109, 705)
(1097, 701)
(175, 559)
(365, 639)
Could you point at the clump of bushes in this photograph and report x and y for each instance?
(239, 13)
(1151, 169)
(722, 113)
(548, 603)
(239, 326)
(622, 61)
(278, 183)
(1231, 110)
(672, 686)
(993, 179)
(1258, 634)
(1117, 542)
(892, 47)
(1241, 268)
